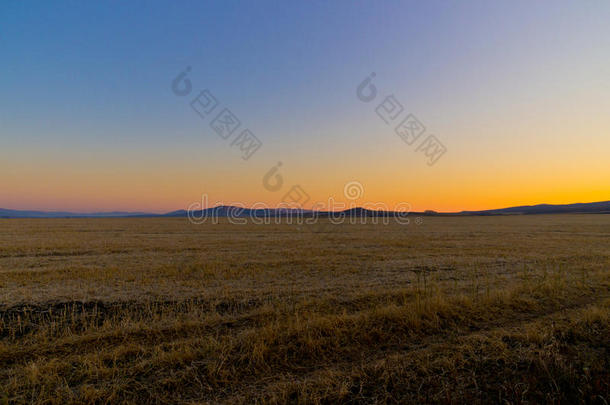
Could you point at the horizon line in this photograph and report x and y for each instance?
(294, 208)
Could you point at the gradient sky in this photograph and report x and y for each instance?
(517, 91)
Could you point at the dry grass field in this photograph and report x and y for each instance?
(472, 309)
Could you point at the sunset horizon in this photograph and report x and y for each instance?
(111, 126)
(316, 206)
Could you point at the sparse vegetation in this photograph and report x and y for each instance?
(473, 309)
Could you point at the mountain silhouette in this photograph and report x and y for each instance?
(602, 207)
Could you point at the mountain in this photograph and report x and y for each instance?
(228, 210)
(595, 207)
(6, 213)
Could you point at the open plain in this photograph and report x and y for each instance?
(509, 309)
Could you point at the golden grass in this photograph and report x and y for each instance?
(498, 309)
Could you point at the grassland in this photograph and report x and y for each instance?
(480, 310)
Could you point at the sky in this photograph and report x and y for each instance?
(515, 94)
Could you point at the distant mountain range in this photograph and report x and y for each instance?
(224, 211)
(6, 213)
(594, 207)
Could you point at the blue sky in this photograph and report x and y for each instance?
(86, 88)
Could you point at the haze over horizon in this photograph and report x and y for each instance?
(318, 207)
(518, 93)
